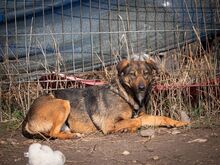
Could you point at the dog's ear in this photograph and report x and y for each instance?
(153, 65)
(122, 65)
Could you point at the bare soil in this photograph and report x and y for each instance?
(161, 149)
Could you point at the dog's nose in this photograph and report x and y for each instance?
(141, 87)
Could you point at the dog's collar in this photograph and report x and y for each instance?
(123, 94)
(136, 107)
(137, 111)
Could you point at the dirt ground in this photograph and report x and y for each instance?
(194, 146)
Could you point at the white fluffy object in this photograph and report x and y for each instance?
(43, 155)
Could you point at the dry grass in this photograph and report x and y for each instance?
(191, 65)
(191, 86)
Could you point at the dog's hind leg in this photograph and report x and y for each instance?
(60, 116)
(161, 121)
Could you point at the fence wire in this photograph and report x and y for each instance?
(39, 37)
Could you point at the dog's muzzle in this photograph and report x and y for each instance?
(141, 87)
(141, 92)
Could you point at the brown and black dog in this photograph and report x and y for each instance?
(105, 108)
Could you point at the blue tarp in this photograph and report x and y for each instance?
(38, 28)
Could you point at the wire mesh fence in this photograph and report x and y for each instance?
(39, 38)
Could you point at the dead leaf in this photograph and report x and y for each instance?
(199, 140)
(155, 157)
(175, 132)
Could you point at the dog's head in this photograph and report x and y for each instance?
(137, 77)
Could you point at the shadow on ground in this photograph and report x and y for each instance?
(167, 146)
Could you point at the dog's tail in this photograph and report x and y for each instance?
(26, 132)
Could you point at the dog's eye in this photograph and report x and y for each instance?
(146, 73)
(132, 74)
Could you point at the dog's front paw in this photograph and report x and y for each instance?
(69, 135)
(181, 124)
(79, 135)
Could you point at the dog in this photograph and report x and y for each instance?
(107, 108)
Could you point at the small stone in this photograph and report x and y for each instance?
(3, 142)
(214, 134)
(147, 132)
(134, 161)
(155, 157)
(125, 153)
